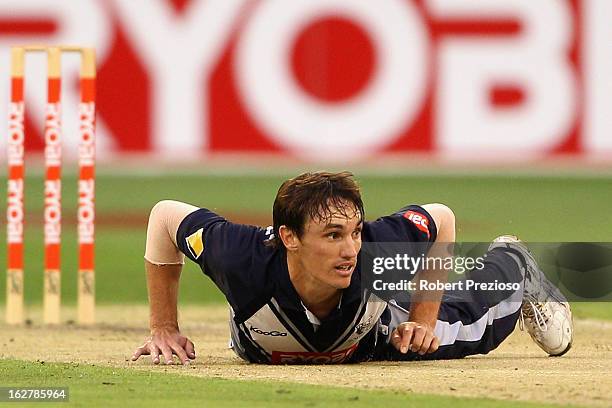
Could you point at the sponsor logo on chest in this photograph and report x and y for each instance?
(305, 357)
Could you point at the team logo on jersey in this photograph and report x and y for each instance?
(269, 233)
(419, 220)
(364, 326)
(195, 243)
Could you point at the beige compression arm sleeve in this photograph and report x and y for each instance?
(164, 221)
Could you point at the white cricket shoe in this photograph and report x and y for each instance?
(545, 311)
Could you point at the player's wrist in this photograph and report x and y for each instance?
(161, 327)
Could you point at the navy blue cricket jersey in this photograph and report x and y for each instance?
(269, 323)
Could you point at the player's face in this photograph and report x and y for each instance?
(328, 248)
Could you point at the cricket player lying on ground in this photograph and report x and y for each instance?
(295, 293)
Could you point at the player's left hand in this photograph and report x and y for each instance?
(166, 342)
(416, 337)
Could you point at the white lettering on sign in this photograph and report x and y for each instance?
(16, 134)
(369, 120)
(15, 212)
(53, 211)
(436, 87)
(535, 61)
(87, 144)
(53, 135)
(597, 122)
(180, 54)
(86, 213)
(84, 22)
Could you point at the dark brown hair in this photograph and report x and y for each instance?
(313, 196)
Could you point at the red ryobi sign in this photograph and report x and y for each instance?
(329, 79)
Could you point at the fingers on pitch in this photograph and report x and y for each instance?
(190, 349)
(418, 338)
(179, 351)
(154, 354)
(407, 335)
(139, 352)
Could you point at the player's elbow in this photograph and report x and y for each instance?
(443, 212)
(444, 218)
(160, 208)
(164, 221)
(167, 215)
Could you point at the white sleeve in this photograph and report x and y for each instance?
(164, 221)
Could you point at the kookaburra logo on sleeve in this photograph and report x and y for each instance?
(195, 243)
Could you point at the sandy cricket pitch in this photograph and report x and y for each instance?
(517, 370)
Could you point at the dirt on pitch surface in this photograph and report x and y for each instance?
(517, 370)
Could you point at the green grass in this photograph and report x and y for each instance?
(535, 208)
(592, 310)
(108, 387)
(538, 208)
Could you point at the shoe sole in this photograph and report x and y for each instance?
(569, 346)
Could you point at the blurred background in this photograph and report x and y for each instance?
(499, 109)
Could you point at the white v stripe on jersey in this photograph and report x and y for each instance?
(271, 332)
(287, 323)
(363, 322)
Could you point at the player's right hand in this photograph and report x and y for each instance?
(166, 342)
(416, 337)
